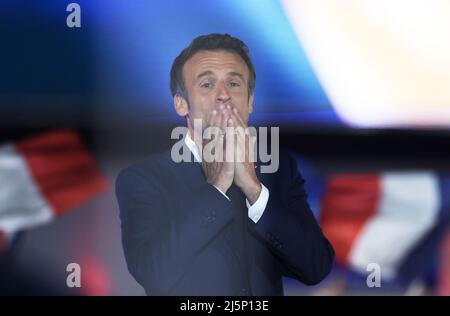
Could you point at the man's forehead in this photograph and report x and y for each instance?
(212, 61)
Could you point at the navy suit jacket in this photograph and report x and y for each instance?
(181, 236)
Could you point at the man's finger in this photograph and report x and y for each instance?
(230, 141)
(226, 116)
(215, 117)
(237, 115)
(235, 119)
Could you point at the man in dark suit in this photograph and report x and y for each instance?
(218, 227)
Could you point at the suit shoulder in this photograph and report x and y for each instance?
(286, 155)
(149, 167)
(286, 161)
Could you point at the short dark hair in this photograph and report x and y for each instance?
(210, 42)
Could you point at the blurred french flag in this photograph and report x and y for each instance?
(42, 178)
(395, 219)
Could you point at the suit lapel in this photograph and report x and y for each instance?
(236, 230)
(235, 233)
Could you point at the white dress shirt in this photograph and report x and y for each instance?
(256, 210)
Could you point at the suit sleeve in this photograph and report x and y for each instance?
(293, 234)
(160, 247)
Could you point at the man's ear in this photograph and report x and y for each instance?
(181, 105)
(250, 104)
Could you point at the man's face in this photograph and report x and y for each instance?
(213, 78)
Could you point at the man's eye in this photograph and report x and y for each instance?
(234, 84)
(206, 85)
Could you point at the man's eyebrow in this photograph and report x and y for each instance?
(203, 74)
(231, 74)
(236, 74)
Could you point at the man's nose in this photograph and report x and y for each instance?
(223, 95)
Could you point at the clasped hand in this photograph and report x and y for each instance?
(234, 138)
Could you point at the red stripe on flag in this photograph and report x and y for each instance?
(444, 270)
(348, 203)
(65, 172)
(2, 242)
(96, 279)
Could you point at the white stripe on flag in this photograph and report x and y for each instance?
(21, 203)
(409, 204)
